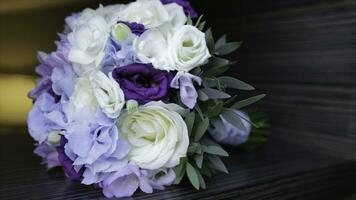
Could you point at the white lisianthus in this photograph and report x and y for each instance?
(151, 47)
(157, 134)
(176, 15)
(150, 13)
(188, 48)
(88, 39)
(97, 89)
(108, 93)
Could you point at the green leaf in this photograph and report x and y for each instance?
(215, 94)
(202, 96)
(199, 20)
(189, 120)
(198, 158)
(210, 40)
(215, 110)
(189, 21)
(201, 180)
(232, 99)
(216, 163)
(193, 176)
(216, 150)
(180, 170)
(200, 129)
(201, 26)
(205, 170)
(227, 48)
(246, 102)
(235, 83)
(216, 66)
(220, 42)
(233, 118)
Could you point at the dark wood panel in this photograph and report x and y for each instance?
(280, 170)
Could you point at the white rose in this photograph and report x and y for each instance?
(187, 48)
(157, 134)
(111, 12)
(97, 89)
(151, 47)
(88, 39)
(150, 13)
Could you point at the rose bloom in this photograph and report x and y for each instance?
(143, 83)
(157, 135)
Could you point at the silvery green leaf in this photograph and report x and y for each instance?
(201, 180)
(246, 102)
(202, 26)
(233, 119)
(217, 66)
(189, 120)
(216, 150)
(193, 176)
(180, 170)
(220, 42)
(216, 163)
(215, 110)
(210, 40)
(235, 83)
(189, 21)
(215, 94)
(198, 160)
(228, 48)
(199, 20)
(200, 129)
(205, 170)
(202, 96)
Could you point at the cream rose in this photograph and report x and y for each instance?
(157, 134)
(88, 39)
(97, 89)
(187, 48)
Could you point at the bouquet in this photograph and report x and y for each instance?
(134, 97)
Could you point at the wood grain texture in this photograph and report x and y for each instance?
(302, 55)
(280, 170)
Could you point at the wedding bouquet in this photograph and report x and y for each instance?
(134, 97)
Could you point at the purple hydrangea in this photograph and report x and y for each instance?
(48, 154)
(67, 163)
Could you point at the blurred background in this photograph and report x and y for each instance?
(299, 52)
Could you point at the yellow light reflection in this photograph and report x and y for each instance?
(14, 103)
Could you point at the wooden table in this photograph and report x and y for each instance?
(279, 170)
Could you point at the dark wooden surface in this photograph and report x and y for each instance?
(279, 170)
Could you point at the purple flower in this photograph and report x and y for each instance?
(42, 117)
(136, 28)
(67, 163)
(55, 69)
(188, 9)
(143, 83)
(117, 54)
(49, 155)
(226, 133)
(125, 182)
(184, 82)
